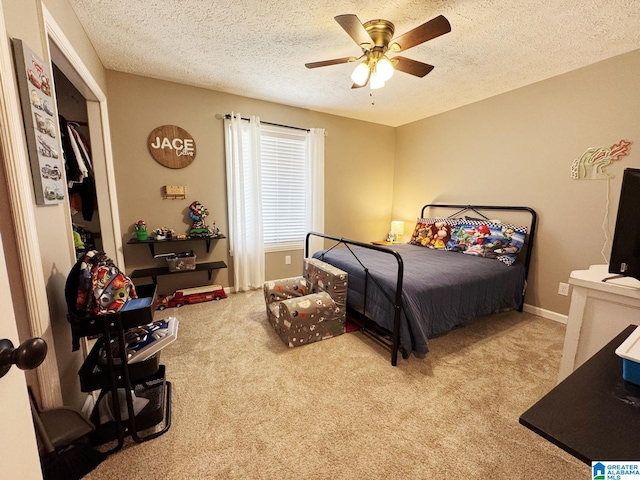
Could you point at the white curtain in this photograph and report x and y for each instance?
(242, 148)
(315, 186)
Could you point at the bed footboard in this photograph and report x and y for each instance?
(395, 298)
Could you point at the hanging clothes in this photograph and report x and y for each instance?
(80, 150)
(70, 162)
(79, 167)
(87, 192)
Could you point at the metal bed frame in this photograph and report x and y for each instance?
(391, 340)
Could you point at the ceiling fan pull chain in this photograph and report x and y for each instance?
(373, 101)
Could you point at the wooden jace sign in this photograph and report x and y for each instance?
(172, 146)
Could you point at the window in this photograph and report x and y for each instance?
(284, 184)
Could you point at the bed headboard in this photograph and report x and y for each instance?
(525, 216)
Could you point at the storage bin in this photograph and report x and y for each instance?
(157, 390)
(630, 353)
(94, 374)
(181, 261)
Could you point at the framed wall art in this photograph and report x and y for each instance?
(40, 124)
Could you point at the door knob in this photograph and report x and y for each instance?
(26, 356)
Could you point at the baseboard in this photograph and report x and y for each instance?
(541, 312)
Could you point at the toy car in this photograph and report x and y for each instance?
(33, 78)
(52, 172)
(47, 150)
(45, 87)
(188, 296)
(47, 107)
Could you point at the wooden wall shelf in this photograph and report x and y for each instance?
(152, 242)
(155, 272)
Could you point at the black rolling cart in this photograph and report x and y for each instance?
(140, 380)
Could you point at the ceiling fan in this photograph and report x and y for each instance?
(375, 38)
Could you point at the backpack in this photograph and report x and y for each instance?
(94, 287)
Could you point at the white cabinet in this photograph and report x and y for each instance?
(599, 311)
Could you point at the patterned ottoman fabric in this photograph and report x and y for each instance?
(300, 317)
(306, 319)
(285, 288)
(327, 278)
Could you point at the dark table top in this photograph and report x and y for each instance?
(593, 414)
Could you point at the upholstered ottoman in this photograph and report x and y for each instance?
(309, 308)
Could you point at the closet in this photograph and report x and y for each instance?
(74, 136)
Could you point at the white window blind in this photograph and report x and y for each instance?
(284, 176)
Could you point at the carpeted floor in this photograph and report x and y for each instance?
(245, 406)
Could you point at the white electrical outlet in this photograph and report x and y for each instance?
(287, 259)
(563, 289)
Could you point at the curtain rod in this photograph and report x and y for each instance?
(227, 115)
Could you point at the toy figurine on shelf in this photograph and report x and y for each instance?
(141, 229)
(215, 230)
(164, 233)
(198, 213)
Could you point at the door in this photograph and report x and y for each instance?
(18, 451)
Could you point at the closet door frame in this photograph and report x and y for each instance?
(70, 64)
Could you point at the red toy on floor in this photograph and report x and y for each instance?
(191, 295)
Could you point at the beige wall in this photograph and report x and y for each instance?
(24, 19)
(517, 149)
(358, 169)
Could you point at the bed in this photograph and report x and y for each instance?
(409, 292)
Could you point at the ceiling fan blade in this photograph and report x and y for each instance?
(326, 63)
(353, 26)
(411, 67)
(427, 31)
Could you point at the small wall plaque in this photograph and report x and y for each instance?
(172, 146)
(175, 192)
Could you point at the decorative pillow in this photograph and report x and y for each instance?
(433, 232)
(490, 240)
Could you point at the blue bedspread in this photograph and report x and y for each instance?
(441, 289)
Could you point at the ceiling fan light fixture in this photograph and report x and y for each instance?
(377, 81)
(360, 74)
(384, 69)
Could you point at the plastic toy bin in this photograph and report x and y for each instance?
(181, 261)
(630, 353)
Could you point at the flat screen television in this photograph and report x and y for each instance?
(625, 249)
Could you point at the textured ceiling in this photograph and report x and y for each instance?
(258, 48)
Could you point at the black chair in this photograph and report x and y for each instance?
(62, 434)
